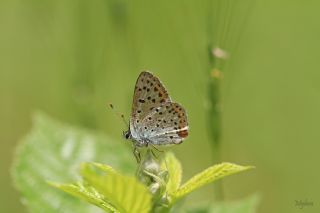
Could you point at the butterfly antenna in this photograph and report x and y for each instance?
(119, 114)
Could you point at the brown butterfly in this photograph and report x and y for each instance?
(155, 119)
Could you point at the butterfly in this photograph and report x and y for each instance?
(155, 119)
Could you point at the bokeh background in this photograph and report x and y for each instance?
(70, 58)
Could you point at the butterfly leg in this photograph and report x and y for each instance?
(153, 154)
(147, 144)
(136, 154)
(156, 148)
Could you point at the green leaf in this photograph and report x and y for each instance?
(172, 164)
(123, 192)
(87, 193)
(103, 167)
(247, 205)
(53, 151)
(207, 176)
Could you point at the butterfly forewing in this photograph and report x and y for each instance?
(149, 93)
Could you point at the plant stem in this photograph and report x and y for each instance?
(214, 116)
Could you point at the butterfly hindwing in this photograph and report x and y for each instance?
(166, 124)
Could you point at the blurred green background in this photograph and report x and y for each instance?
(70, 58)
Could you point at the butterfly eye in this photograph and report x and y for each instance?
(127, 135)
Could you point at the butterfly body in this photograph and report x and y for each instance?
(155, 119)
(138, 140)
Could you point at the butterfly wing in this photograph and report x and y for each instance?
(155, 119)
(149, 93)
(166, 124)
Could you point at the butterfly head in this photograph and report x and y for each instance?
(127, 135)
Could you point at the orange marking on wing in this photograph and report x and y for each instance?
(183, 133)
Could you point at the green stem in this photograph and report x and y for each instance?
(214, 116)
(150, 173)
